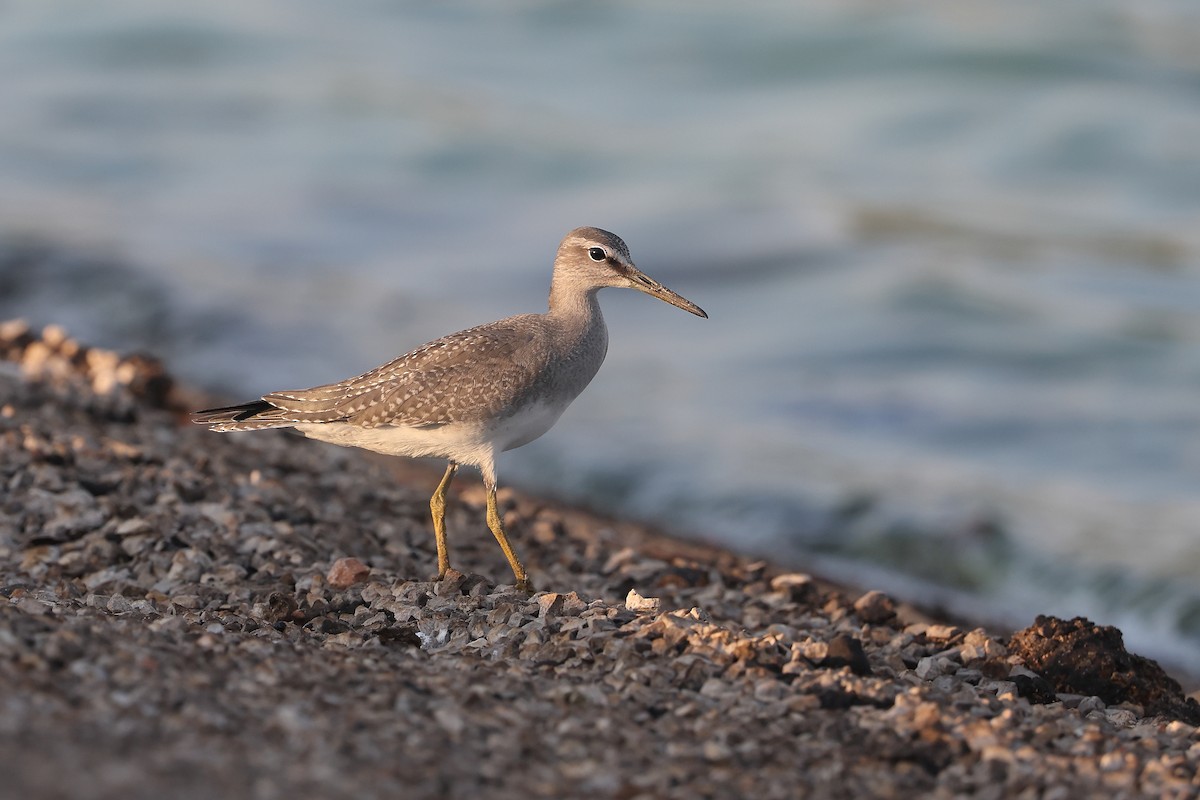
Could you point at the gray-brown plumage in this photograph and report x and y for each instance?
(473, 394)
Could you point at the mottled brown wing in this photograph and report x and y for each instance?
(466, 376)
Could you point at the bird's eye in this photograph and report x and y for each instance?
(597, 254)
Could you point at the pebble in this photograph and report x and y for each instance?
(347, 572)
(797, 586)
(635, 602)
(875, 607)
(941, 633)
(931, 667)
(847, 651)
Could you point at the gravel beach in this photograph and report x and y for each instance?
(190, 615)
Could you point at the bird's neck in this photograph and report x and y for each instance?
(573, 307)
(579, 338)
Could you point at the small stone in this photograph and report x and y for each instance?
(1069, 700)
(715, 751)
(1034, 688)
(802, 703)
(32, 607)
(137, 544)
(119, 604)
(187, 565)
(796, 585)
(635, 602)
(930, 667)
(941, 633)
(145, 607)
(15, 330)
(815, 651)
(946, 684)
(1121, 717)
(996, 752)
(875, 607)
(550, 604)
(450, 584)
(546, 530)
(618, 560)
(978, 646)
(573, 605)
(475, 586)
(95, 580)
(846, 651)
(1006, 690)
(132, 526)
(972, 676)
(927, 716)
(770, 690)
(346, 572)
(54, 336)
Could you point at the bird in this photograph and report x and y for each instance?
(469, 396)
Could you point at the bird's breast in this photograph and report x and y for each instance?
(526, 424)
(575, 357)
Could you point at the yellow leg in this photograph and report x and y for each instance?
(437, 506)
(497, 529)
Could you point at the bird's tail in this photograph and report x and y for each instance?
(246, 417)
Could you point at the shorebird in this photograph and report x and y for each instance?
(471, 395)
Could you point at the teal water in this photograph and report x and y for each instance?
(951, 253)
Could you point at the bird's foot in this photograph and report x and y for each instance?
(449, 578)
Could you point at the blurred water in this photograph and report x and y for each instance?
(951, 253)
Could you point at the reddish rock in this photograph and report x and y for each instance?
(346, 572)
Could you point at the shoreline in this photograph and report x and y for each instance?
(188, 614)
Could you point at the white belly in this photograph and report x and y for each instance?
(465, 443)
(526, 425)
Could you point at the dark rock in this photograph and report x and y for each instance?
(846, 651)
(1079, 657)
(1034, 688)
(838, 698)
(280, 607)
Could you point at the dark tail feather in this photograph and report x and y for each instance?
(231, 414)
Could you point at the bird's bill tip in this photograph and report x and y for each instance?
(656, 289)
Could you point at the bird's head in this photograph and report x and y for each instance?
(591, 258)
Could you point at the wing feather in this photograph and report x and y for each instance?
(467, 376)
